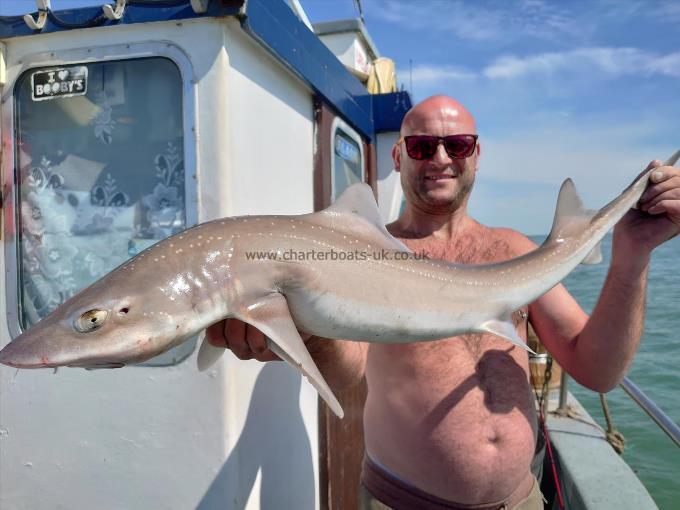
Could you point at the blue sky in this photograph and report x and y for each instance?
(581, 89)
(587, 90)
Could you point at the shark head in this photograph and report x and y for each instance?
(99, 328)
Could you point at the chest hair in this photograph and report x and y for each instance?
(477, 246)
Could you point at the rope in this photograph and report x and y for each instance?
(614, 437)
(541, 398)
(552, 461)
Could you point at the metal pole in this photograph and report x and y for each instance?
(654, 411)
(562, 405)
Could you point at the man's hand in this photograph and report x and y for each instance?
(244, 340)
(658, 218)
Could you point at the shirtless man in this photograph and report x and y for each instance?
(451, 423)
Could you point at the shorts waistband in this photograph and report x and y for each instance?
(400, 495)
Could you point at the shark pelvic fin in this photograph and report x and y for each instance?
(358, 202)
(271, 316)
(506, 330)
(208, 354)
(595, 255)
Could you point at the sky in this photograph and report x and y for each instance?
(580, 89)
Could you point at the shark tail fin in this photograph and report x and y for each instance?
(673, 159)
(571, 216)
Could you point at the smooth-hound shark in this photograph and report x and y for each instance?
(337, 273)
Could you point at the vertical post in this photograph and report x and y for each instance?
(562, 405)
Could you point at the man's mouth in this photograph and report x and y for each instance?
(439, 177)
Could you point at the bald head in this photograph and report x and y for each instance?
(439, 184)
(443, 109)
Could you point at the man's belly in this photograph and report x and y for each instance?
(454, 418)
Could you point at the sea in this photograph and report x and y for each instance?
(655, 370)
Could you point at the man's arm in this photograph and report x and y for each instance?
(597, 351)
(341, 362)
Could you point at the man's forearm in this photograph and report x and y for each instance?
(605, 348)
(342, 362)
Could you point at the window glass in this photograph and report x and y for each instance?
(348, 166)
(100, 175)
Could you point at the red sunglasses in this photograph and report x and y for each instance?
(424, 146)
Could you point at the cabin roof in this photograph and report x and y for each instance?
(344, 26)
(275, 27)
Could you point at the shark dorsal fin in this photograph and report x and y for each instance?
(570, 216)
(570, 211)
(359, 204)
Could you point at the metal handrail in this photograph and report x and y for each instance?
(654, 411)
(664, 422)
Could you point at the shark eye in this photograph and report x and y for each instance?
(90, 320)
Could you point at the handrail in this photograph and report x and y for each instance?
(664, 422)
(654, 411)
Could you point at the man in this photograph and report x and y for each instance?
(452, 423)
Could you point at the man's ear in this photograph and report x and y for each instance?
(396, 157)
(478, 149)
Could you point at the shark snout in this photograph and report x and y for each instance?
(39, 347)
(17, 355)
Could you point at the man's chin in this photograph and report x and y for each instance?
(440, 196)
(443, 200)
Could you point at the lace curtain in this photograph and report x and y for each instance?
(100, 176)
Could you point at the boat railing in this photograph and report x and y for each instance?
(663, 421)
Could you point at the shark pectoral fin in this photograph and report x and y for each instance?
(271, 316)
(311, 372)
(208, 354)
(506, 330)
(595, 255)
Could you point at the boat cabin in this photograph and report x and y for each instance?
(125, 125)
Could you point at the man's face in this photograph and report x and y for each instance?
(440, 184)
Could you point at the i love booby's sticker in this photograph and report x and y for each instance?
(61, 82)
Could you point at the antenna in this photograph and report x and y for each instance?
(357, 4)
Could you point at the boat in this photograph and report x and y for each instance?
(124, 123)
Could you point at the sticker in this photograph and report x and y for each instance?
(56, 83)
(347, 149)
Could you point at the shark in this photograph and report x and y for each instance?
(337, 273)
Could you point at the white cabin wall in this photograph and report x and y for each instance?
(349, 50)
(148, 437)
(389, 186)
(270, 123)
(271, 132)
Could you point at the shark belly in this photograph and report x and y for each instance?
(330, 315)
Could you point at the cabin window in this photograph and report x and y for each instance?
(100, 175)
(347, 165)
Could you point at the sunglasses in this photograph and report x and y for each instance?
(424, 146)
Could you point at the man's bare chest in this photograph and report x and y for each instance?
(479, 247)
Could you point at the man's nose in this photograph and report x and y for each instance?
(440, 156)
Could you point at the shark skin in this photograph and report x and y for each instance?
(373, 289)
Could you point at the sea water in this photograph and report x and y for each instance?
(655, 370)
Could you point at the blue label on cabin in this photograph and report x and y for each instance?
(347, 149)
(62, 82)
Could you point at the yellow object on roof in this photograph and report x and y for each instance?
(382, 77)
